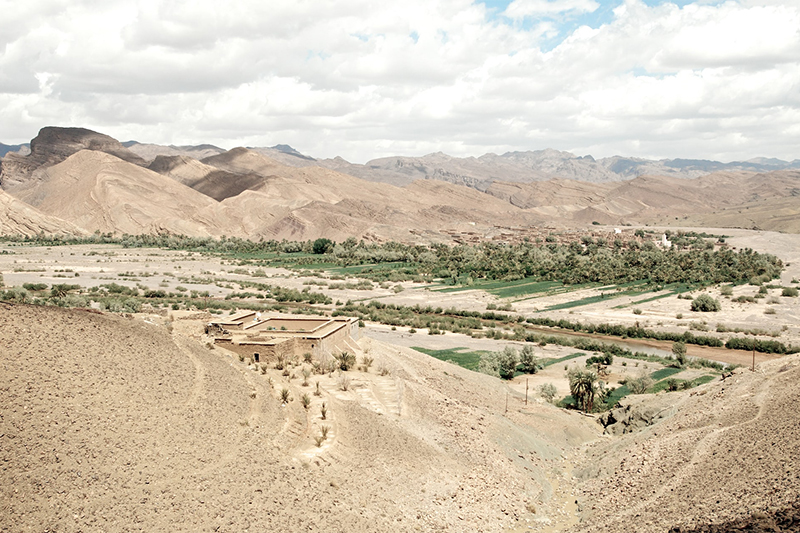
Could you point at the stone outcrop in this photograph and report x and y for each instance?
(52, 146)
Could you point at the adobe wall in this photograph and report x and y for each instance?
(266, 352)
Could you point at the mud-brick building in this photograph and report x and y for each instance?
(249, 334)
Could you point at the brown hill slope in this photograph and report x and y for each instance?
(209, 180)
(97, 191)
(18, 218)
(53, 145)
(115, 424)
(149, 152)
(322, 202)
(729, 451)
(712, 200)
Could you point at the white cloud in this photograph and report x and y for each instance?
(519, 9)
(363, 79)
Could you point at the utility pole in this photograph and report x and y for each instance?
(526, 391)
(754, 359)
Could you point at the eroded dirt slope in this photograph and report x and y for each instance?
(728, 453)
(111, 424)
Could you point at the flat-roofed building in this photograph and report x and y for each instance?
(251, 336)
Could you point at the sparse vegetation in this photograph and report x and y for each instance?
(548, 391)
(285, 396)
(346, 360)
(529, 363)
(639, 384)
(705, 303)
(679, 350)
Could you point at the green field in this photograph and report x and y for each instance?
(460, 356)
(613, 291)
(672, 290)
(549, 362)
(658, 375)
(664, 384)
(506, 289)
(661, 379)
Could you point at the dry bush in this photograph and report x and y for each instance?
(344, 382)
(285, 396)
(366, 362)
(305, 399)
(323, 411)
(639, 384)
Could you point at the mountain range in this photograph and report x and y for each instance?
(74, 180)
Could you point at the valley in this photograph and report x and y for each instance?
(486, 292)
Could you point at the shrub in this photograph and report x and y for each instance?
(640, 384)
(528, 360)
(789, 291)
(323, 411)
(285, 396)
(344, 382)
(507, 362)
(366, 362)
(548, 391)
(705, 303)
(726, 290)
(679, 349)
(346, 360)
(322, 246)
(769, 311)
(305, 399)
(637, 311)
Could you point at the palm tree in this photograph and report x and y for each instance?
(583, 388)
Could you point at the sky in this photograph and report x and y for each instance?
(363, 79)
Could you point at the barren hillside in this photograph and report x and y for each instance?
(113, 423)
(729, 452)
(18, 218)
(98, 191)
(94, 182)
(53, 145)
